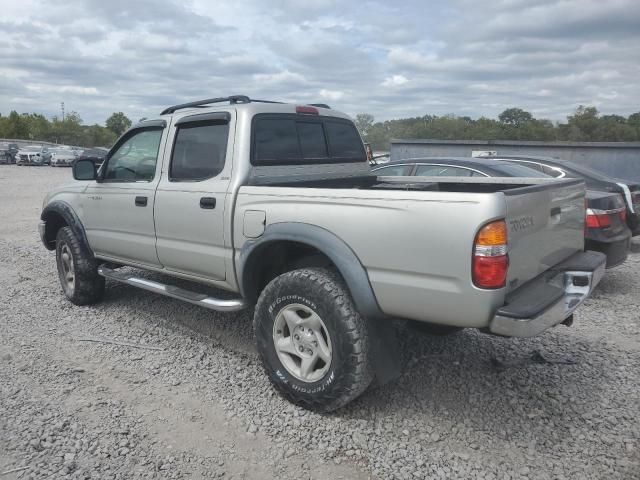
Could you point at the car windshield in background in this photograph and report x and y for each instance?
(515, 170)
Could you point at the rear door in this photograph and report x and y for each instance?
(192, 196)
(545, 226)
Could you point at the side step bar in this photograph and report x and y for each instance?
(201, 299)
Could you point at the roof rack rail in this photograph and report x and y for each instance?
(320, 105)
(233, 99)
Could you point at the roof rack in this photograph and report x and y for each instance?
(233, 99)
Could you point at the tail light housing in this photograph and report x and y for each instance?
(602, 218)
(490, 259)
(598, 218)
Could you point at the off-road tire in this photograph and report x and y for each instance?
(87, 286)
(350, 370)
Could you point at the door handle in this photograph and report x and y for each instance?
(141, 201)
(208, 203)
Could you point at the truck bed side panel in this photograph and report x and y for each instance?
(415, 246)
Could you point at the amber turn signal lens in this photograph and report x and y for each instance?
(494, 233)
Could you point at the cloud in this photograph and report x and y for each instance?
(388, 59)
(394, 81)
(331, 94)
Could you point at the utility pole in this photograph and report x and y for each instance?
(62, 108)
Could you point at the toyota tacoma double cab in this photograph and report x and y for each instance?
(275, 203)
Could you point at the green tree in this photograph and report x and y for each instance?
(515, 117)
(118, 123)
(585, 123)
(364, 122)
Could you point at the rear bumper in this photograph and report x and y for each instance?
(616, 250)
(550, 298)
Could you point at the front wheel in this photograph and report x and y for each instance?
(314, 345)
(77, 270)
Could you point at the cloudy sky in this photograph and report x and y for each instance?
(390, 59)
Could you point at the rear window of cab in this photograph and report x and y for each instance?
(291, 139)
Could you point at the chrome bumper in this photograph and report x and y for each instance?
(567, 288)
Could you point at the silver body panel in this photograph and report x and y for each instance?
(416, 246)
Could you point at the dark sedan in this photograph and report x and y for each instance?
(95, 154)
(606, 230)
(595, 180)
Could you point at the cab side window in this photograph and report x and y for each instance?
(135, 159)
(199, 151)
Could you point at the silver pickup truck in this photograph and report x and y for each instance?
(276, 204)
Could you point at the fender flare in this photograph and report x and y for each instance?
(65, 210)
(345, 260)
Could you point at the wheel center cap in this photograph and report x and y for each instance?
(304, 339)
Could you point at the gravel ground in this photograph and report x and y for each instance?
(189, 399)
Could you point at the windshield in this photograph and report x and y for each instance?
(515, 170)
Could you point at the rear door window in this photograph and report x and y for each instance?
(199, 151)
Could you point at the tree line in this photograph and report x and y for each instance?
(69, 130)
(585, 125)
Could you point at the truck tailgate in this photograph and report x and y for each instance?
(545, 225)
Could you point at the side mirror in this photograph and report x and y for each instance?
(84, 170)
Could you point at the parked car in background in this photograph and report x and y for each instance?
(96, 154)
(8, 153)
(33, 155)
(595, 180)
(606, 230)
(63, 156)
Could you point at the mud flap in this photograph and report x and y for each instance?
(386, 355)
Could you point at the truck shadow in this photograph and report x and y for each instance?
(448, 385)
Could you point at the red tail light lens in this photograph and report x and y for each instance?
(490, 260)
(597, 220)
(490, 272)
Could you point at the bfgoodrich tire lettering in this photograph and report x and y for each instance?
(322, 292)
(77, 269)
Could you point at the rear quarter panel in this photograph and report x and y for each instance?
(415, 246)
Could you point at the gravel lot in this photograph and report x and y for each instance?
(193, 401)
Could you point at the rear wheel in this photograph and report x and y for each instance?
(313, 343)
(77, 270)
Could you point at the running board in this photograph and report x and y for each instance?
(195, 298)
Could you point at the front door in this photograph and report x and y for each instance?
(192, 197)
(118, 210)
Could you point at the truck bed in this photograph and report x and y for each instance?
(411, 183)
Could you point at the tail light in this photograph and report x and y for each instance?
(602, 218)
(490, 259)
(598, 218)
